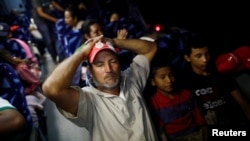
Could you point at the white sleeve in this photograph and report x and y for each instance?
(4, 104)
(84, 115)
(138, 72)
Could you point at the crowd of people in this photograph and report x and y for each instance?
(115, 77)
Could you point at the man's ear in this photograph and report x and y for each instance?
(186, 57)
(152, 82)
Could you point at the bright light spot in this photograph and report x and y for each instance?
(157, 27)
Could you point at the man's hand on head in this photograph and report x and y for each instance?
(86, 47)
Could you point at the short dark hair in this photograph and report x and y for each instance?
(194, 41)
(85, 29)
(157, 66)
(74, 12)
(160, 60)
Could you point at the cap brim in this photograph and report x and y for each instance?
(98, 47)
(91, 60)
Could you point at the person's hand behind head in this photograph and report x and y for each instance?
(87, 46)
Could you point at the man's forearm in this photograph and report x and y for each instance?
(48, 17)
(57, 86)
(45, 15)
(57, 6)
(138, 46)
(62, 75)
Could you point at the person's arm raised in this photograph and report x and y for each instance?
(44, 15)
(146, 48)
(57, 86)
(243, 103)
(57, 6)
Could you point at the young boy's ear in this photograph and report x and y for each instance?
(186, 57)
(152, 82)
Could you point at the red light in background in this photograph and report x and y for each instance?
(157, 27)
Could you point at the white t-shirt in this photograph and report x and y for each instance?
(114, 118)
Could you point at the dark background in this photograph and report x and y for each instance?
(226, 24)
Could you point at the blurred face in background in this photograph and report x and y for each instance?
(95, 30)
(114, 17)
(69, 19)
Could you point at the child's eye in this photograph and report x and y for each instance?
(162, 77)
(99, 64)
(114, 61)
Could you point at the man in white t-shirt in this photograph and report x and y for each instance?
(112, 108)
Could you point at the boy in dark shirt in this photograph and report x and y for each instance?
(217, 94)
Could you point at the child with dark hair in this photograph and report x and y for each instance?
(175, 110)
(218, 95)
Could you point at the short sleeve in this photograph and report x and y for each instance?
(4, 104)
(138, 72)
(84, 115)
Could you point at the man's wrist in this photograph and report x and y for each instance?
(115, 41)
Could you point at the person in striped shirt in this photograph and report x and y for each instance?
(175, 110)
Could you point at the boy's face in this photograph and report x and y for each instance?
(95, 31)
(163, 80)
(199, 59)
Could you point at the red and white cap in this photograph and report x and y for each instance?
(99, 46)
